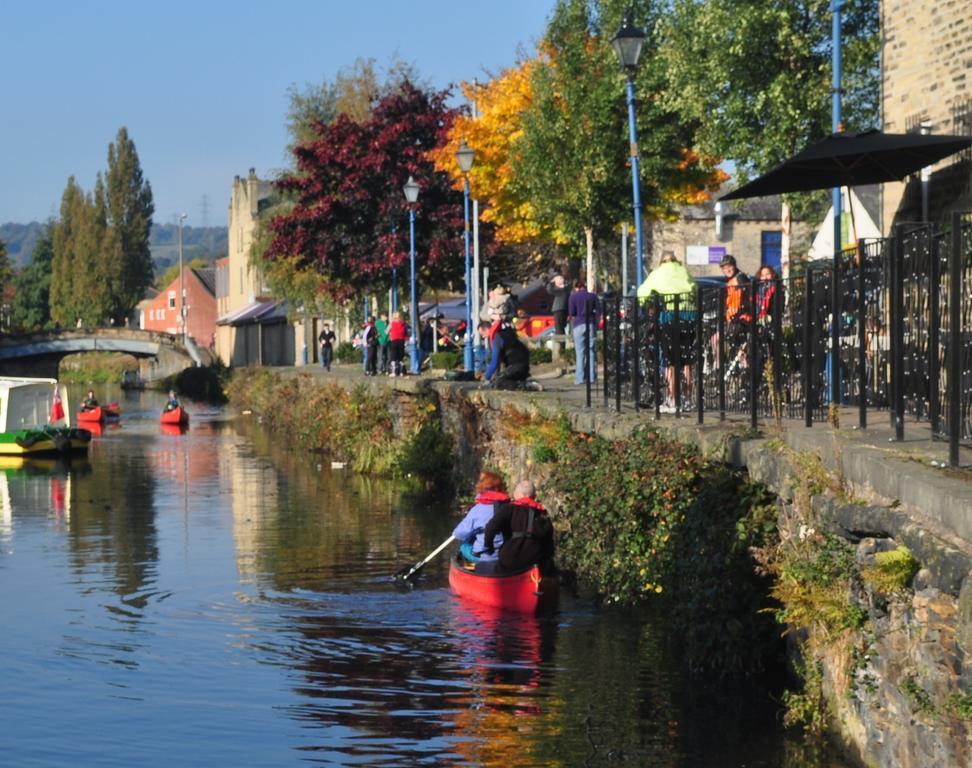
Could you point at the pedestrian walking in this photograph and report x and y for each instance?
(326, 341)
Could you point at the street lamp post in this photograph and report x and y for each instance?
(411, 190)
(627, 44)
(465, 159)
(182, 282)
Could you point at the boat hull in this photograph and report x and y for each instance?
(45, 441)
(175, 416)
(99, 414)
(524, 592)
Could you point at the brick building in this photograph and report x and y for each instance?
(162, 312)
(926, 68)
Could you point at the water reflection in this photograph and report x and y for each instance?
(213, 598)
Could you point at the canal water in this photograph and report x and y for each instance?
(211, 598)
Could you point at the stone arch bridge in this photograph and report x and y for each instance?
(39, 354)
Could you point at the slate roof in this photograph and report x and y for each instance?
(207, 276)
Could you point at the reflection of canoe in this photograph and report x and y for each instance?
(177, 415)
(174, 429)
(523, 592)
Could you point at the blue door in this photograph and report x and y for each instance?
(771, 249)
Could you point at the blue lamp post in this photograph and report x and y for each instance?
(465, 159)
(411, 190)
(627, 44)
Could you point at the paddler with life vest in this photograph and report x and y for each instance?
(526, 530)
(490, 490)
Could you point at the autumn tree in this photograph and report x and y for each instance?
(493, 134)
(348, 217)
(572, 158)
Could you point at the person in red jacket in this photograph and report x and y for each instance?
(397, 332)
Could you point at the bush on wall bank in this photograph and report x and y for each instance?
(356, 426)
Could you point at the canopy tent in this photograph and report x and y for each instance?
(858, 222)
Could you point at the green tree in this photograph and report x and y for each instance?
(173, 272)
(6, 274)
(127, 263)
(756, 74)
(354, 92)
(573, 157)
(77, 288)
(31, 306)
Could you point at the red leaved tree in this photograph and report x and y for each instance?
(349, 221)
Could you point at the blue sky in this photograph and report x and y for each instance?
(202, 86)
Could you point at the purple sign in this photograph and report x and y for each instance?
(716, 253)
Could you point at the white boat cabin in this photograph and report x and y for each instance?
(26, 403)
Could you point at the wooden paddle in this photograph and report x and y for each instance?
(406, 573)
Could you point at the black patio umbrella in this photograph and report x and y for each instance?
(853, 159)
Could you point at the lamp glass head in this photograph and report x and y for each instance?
(627, 44)
(411, 190)
(465, 157)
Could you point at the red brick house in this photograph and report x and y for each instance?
(162, 312)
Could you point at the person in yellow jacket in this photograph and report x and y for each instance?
(668, 279)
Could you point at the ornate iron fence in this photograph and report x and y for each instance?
(885, 326)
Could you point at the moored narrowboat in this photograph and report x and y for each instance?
(33, 420)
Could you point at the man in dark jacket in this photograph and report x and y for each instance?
(527, 531)
(506, 349)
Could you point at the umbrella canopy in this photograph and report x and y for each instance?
(853, 159)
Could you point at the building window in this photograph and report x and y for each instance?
(771, 248)
(172, 298)
(151, 314)
(160, 315)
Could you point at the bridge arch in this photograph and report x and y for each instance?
(40, 353)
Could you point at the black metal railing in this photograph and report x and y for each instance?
(884, 326)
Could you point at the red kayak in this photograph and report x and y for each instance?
(524, 592)
(99, 414)
(175, 416)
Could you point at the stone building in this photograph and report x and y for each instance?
(926, 69)
(750, 230)
(252, 328)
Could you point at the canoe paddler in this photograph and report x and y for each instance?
(490, 490)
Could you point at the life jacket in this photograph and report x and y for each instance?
(491, 497)
(538, 521)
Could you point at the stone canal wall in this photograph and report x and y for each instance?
(869, 561)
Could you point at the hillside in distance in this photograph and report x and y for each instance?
(208, 243)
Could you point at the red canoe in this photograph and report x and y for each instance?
(99, 414)
(176, 416)
(524, 592)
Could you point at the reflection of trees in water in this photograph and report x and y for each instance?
(327, 528)
(113, 536)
